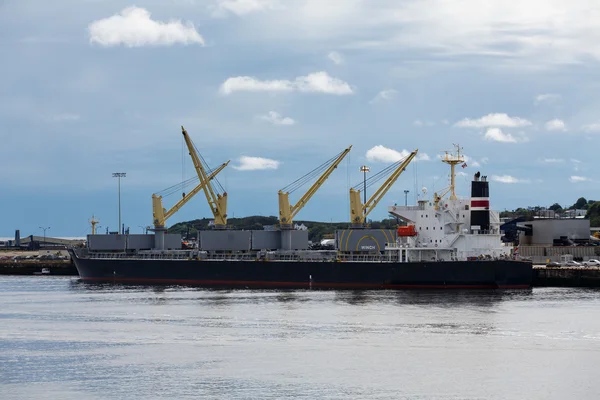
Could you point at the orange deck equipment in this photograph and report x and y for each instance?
(404, 231)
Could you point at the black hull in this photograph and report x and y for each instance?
(497, 274)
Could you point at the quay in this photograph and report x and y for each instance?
(544, 276)
(27, 267)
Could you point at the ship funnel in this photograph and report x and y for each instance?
(480, 203)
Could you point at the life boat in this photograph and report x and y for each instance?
(404, 231)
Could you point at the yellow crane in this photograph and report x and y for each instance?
(287, 212)
(161, 215)
(216, 201)
(358, 210)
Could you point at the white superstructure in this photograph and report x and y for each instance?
(451, 228)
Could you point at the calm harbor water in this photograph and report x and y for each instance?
(62, 339)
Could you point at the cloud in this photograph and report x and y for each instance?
(493, 120)
(553, 160)
(317, 82)
(65, 117)
(420, 123)
(133, 27)
(595, 127)
(256, 163)
(380, 153)
(336, 57)
(546, 98)
(242, 7)
(508, 179)
(471, 161)
(502, 32)
(384, 95)
(576, 178)
(555, 125)
(485, 160)
(496, 135)
(460, 173)
(277, 119)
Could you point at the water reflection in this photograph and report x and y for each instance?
(357, 297)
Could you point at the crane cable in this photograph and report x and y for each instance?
(373, 179)
(207, 168)
(186, 183)
(298, 183)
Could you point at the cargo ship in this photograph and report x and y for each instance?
(444, 242)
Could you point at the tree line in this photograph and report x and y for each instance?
(592, 208)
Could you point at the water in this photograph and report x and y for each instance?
(61, 339)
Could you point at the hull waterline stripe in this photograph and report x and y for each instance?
(297, 284)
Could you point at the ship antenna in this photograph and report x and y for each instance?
(452, 159)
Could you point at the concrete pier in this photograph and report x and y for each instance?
(566, 276)
(35, 267)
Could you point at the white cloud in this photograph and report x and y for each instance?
(471, 161)
(485, 160)
(65, 117)
(496, 135)
(460, 173)
(336, 57)
(242, 7)
(133, 27)
(509, 32)
(384, 95)
(553, 160)
(420, 123)
(256, 163)
(277, 119)
(381, 153)
(576, 178)
(546, 98)
(507, 179)
(317, 82)
(493, 120)
(595, 127)
(555, 125)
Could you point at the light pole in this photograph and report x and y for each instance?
(406, 197)
(119, 175)
(364, 169)
(44, 229)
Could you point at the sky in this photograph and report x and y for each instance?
(93, 87)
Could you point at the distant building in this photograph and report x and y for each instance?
(300, 227)
(549, 232)
(545, 214)
(575, 213)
